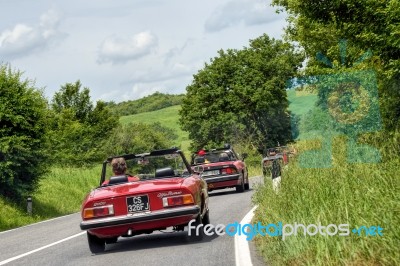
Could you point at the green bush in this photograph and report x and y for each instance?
(23, 116)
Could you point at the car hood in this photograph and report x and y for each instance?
(143, 186)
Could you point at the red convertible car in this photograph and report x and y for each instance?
(162, 192)
(222, 168)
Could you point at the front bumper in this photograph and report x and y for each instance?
(140, 217)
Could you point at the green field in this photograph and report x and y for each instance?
(168, 117)
(300, 103)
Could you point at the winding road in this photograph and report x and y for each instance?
(61, 242)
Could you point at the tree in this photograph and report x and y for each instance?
(79, 129)
(23, 116)
(366, 25)
(70, 97)
(241, 93)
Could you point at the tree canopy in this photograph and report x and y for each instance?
(79, 129)
(366, 25)
(241, 94)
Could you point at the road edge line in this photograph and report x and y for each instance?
(242, 250)
(39, 249)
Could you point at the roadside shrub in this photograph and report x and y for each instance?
(23, 116)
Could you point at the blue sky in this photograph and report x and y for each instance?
(126, 49)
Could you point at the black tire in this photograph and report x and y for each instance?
(240, 188)
(247, 186)
(193, 236)
(96, 245)
(206, 218)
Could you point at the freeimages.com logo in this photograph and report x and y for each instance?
(280, 229)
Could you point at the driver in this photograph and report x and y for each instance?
(119, 168)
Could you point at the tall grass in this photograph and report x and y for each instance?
(60, 192)
(346, 193)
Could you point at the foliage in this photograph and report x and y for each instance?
(79, 129)
(138, 138)
(366, 25)
(23, 116)
(153, 102)
(241, 94)
(60, 192)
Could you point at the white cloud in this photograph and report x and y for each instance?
(24, 39)
(237, 12)
(119, 50)
(169, 50)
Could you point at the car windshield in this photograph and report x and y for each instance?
(213, 157)
(151, 167)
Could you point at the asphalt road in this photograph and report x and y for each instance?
(61, 242)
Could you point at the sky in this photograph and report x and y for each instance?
(126, 49)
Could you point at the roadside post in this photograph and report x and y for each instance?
(29, 205)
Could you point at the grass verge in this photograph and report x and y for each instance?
(60, 192)
(346, 193)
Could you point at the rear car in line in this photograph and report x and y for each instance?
(222, 168)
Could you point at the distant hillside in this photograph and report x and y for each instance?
(167, 117)
(155, 101)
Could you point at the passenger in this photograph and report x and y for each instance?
(202, 155)
(223, 157)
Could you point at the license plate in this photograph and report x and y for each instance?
(138, 204)
(213, 172)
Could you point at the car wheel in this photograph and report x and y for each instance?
(193, 236)
(96, 245)
(247, 186)
(206, 218)
(240, 188)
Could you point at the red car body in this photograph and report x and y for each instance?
(171, 196)
(224, 171)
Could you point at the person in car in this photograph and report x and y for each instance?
(201, 157)
(223, 157)
(119, 168)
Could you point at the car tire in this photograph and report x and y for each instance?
(206, 218)
(96, 245)
(193, 236)
(247, 186)
(240, 188)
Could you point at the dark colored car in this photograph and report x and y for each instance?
(279, 154)
(222, 168)
(162, 192)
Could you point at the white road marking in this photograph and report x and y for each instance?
(39, 249)
(242, 251)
